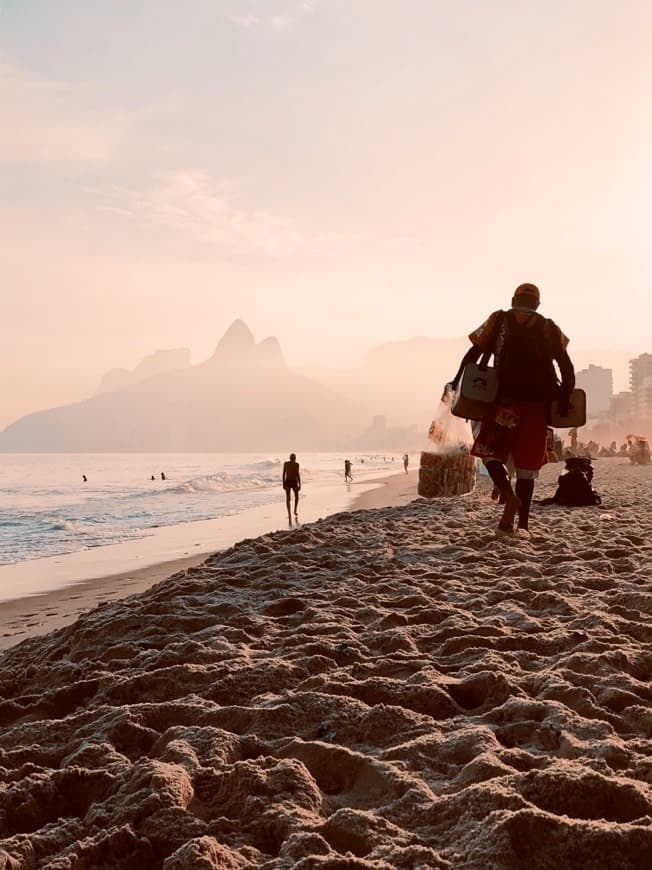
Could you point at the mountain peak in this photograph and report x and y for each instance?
(237, 339)
(269, 352)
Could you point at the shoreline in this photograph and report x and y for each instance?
(41, 612)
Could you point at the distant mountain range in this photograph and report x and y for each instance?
(401, 380)
(159, 363)
(243, 398)
(246, 398)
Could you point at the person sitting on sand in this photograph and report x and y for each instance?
(525, 346)
(640, 452)
(291, 483)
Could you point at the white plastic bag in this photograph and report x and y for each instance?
(447, 433)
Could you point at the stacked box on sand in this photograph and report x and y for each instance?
(445, 474)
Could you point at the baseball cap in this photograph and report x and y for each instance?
(530, 290)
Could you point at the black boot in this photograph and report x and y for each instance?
(524, 490)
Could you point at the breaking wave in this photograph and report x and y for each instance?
(222, 481)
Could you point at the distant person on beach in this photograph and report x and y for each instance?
(406, 462)
(347, 471)
(291, 483)
(163, 477)
(84, 478)
(573, 438)
(152, 478)
(525, 346)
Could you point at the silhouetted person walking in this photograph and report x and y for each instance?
(291, 483)
(347, 471)
(406, 462)
(525, 346)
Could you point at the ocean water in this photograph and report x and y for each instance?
(47, 510)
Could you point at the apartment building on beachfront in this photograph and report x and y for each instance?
(598, 384)
(640, 381)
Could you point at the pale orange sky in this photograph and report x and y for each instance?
(337, 173)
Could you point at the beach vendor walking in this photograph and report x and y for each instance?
(525, 346)
(291, 483)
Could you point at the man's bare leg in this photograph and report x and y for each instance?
(498, 474)
(296, 502)
(287, 504)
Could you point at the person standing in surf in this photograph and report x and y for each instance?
(291, 483)
(526, 346)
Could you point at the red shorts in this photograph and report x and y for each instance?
(525, 440)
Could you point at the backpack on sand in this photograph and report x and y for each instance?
(574, 485)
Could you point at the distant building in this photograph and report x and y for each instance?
(621, 406)
(640, 380)
(598, 384)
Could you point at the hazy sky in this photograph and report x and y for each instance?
(335, 172)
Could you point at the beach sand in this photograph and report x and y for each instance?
(37, 614)
(386, 688)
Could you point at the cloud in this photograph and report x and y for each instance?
(245, 21)
(282, 18)
(196, 207)
(47, 122)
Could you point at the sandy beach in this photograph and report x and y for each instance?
(116, 571)
(389, 687)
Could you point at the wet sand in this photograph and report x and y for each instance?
(388, 688)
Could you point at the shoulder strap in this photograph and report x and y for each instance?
(493, 339)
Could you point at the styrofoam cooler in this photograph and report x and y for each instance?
(446, 474)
